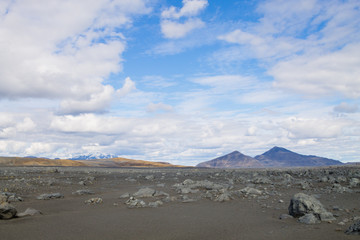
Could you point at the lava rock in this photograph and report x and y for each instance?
(354, 229)
(302, 204)
(7, 211)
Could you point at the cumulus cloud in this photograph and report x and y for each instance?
(49, 50)
(128, 86)
(153, 107)
(190, 8)
(173, 28)
(331, 73)
(301, 128)
(311, 49)
(345, 107)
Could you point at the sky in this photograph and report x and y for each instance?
(179, 81)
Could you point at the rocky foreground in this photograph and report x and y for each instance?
(179, 203)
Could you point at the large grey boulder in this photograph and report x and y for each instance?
(354, 229)
(302, 204)
(7, 211)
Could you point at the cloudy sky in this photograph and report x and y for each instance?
(179, 81)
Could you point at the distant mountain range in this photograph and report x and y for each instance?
(275, 157)
(93, 156)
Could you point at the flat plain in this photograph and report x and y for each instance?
(176, 203)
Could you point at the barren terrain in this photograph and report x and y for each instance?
(176, 203)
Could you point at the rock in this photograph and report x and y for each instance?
(161, 194)
(309, 218)
(96, 200)
(340, 189)
(83, 192)
(7, 211)
(155, 204)
(125, 195)
(29, 212)
(354, 229)
(3, 198)
(145, 192)
(9, 197)
(135, 203)
(150, 177)
(48, 196)
(223, 197)
(285, 216)
(262, 180)
(354, 182)
(302, 204)
(250, 190)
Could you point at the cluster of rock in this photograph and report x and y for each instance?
(8, 211)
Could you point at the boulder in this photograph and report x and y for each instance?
(354, 229)
(309, 218)
(135, 203)
(29, 212)
(7, 211)
(250, 190)
(302, 204)
(48, 196)
(96, 200)
(83, 192)
(354, 182)
(145, 192)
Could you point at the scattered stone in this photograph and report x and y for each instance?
(340, 189)
(150, 177)
(354, 182)
(281, 201)
(354, 229)
(302, 204)
(223, 197)
(83, 192)
(155, 204)
(145, 192)
(135, 203)
(48, 196)
(161, 194)
(125, 195)
(285, 216)
(29, 212)
(82, 183)
(250, 190)
(309, 218)
(7, 211)
(96, 200)
(9, 197)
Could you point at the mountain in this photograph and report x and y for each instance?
(232, 160)
(281, 157)
(113, 162)
(93, 156)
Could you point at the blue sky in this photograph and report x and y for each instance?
(179, 81)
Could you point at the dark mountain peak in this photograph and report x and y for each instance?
(277, 149)
(278, 156)
(234, 159)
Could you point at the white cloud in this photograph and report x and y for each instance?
(96, 103)
(172, 29)
(63, 49)
(128, 86)
(301, 128)
(190, 8)
(331, 73)
(346, 108)
(153, 107)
